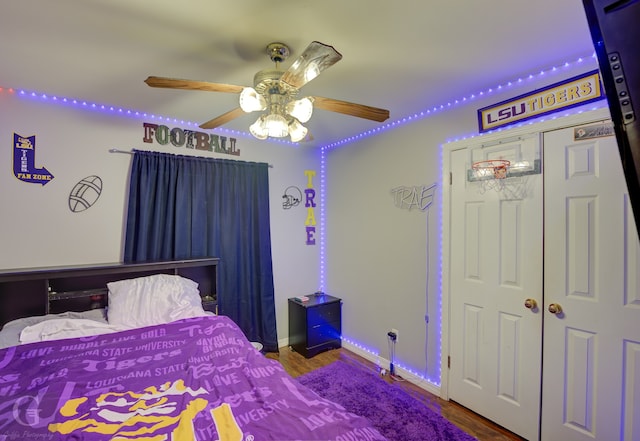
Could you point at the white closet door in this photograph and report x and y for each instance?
(495, 266)
(591, 373)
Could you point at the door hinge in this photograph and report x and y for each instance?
(450, 178)
(448, 361)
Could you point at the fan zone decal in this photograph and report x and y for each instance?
(24, 160)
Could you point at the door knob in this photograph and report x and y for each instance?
(530, 304)
(554, 308)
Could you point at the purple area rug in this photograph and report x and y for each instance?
(396, 414)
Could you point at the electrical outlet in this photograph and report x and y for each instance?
(395, 331)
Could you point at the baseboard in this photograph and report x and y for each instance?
(385, 364)
(283, 343)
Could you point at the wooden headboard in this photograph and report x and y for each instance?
(50, 290)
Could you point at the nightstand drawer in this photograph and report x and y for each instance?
(320, 314)
(319, 334)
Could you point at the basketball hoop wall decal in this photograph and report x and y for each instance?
(85, 193)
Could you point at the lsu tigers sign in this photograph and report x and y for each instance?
(576, 91)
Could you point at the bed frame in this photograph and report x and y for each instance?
(50, 290)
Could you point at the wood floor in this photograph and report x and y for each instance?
(483, 429)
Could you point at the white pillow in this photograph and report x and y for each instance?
(58, 329)
(10, 332)
(153, 300)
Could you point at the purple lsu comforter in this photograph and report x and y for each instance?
(196, 379)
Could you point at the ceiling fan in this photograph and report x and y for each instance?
(275, 92)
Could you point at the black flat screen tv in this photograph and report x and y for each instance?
(615, 31)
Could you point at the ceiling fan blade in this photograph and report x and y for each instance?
(223, 119)
(175, 83)
(315, 58)
(347, 108)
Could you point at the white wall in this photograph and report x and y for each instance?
(384, 262)
(38, 228)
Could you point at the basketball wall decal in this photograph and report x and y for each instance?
(85, 193)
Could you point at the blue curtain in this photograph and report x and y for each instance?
(183, 207)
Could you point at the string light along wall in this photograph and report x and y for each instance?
(123, 112)
(426, 113)
(434, 378)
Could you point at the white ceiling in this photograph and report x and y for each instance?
(403, 55)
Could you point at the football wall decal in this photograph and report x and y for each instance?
(85, 193)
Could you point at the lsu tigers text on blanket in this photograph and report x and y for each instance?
(195, 379)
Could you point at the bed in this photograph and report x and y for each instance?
(154, 365)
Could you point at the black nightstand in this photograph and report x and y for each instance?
(315, 325)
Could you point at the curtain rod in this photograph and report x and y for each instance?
(129, 152)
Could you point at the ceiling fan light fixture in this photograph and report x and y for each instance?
(258, 129)
(301, 109)
(276, 125)
(297, 131)
(251, 101)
